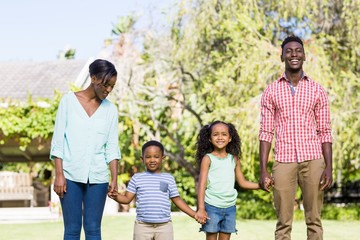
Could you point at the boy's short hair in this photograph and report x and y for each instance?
(291, 38)
(152, 143)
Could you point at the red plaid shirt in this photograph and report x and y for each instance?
(301, 120)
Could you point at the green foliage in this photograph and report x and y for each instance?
(214, 63)
(349, 212)
(255, 208)
(24, 122)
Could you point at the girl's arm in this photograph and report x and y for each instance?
(181, 204)
(125, 198)
(243, 183)
(204, 170)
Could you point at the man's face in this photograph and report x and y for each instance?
(294, 56)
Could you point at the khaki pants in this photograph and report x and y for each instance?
(287, 177)
(153, 231)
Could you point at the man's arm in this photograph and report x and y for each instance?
(264, 156)
(326, 178)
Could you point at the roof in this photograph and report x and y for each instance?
(40, 79)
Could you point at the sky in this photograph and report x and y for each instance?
(38, 30)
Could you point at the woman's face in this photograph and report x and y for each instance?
(103, 90)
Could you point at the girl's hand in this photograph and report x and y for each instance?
(264, 182)
(269, 182)
(201, 216)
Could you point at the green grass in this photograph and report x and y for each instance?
(185, 228)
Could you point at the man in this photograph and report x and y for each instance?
(297, 109)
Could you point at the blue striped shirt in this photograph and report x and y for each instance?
(85, 144)
(153, 192)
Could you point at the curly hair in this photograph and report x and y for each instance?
(204, 146)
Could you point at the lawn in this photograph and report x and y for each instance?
(120, 227)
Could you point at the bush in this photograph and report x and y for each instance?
(254, 209)
(342, 212)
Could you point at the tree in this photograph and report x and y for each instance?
(218, 58)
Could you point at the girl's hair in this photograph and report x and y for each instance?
(204, 145)
(102, 69)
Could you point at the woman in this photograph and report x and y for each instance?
(84, 143)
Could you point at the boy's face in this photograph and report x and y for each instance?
(152, 158)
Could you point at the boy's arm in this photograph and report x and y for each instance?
(243, 183)
(181, 204)
(123, 199)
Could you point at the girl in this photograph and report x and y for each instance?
(218, 153)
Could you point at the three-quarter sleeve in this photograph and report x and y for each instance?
(58, 139)
(322, 117)
(112, 147)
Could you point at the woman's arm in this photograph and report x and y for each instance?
(113, 187)
(60, 181)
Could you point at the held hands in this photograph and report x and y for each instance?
(266, 182)
(112, 193)
(201, 216)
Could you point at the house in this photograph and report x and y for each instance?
(18, 80)
(40, 80)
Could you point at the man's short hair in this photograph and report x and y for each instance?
(291, 38)
(152, 143)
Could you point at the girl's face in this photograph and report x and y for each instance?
(220, 136)
(152, 158)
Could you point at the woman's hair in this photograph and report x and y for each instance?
(204, 146)
(102, 69)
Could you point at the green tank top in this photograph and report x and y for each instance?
(220, 191)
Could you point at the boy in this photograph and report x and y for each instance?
(153, 189)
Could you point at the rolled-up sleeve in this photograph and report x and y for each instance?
(58, 139)
(267, 120)
(112, 147)
(322, 117)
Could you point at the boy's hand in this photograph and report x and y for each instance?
(201, 216)
(113, 194)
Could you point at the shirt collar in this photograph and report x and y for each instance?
(284, 78)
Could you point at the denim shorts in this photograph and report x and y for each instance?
(221, 219)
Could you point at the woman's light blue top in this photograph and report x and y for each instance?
(85, 144)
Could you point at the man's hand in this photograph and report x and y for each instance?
(266, 181)
(326, 179)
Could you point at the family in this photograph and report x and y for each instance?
(294, 110)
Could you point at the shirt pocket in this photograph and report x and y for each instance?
(164, 186)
